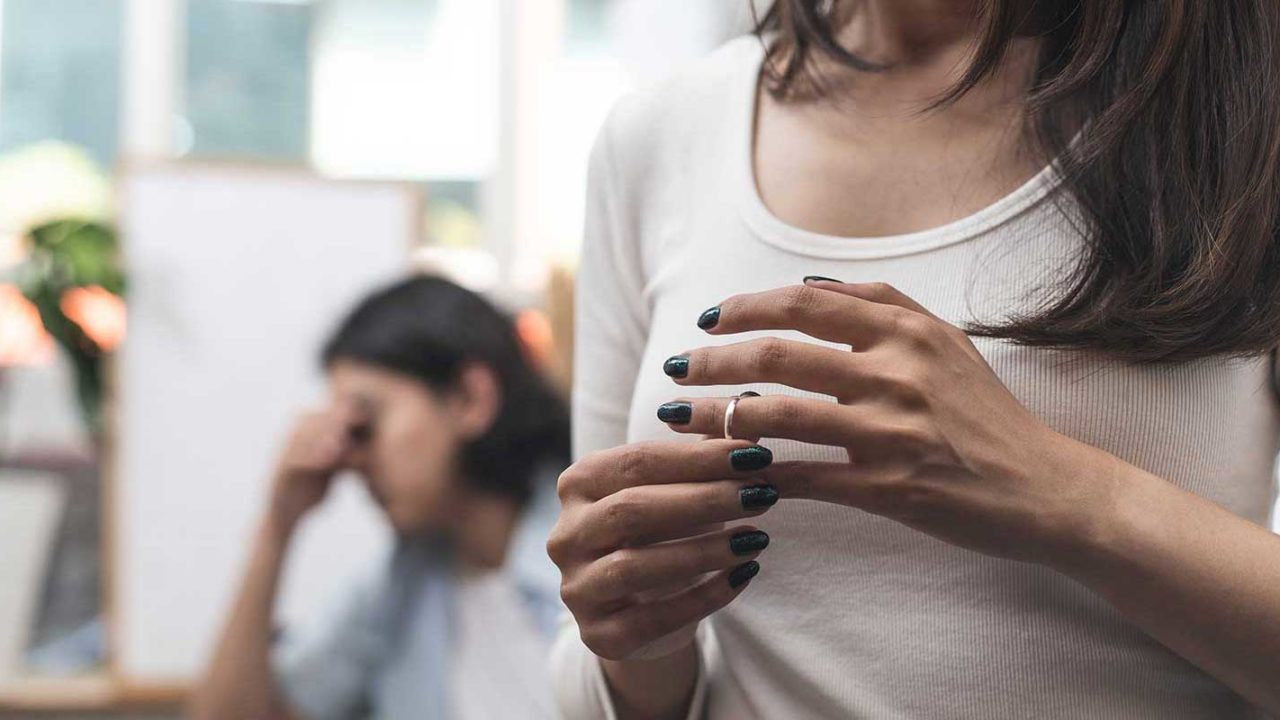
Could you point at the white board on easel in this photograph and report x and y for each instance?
(236, 276)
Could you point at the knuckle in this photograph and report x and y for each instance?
(910, 324)
(907, 500)
(783, 412)
(570, 481)
(798, 300)
(912, 438)
(956, 333)
(559, 544)
(571, 593)
(904, 388)
(769, 355)
(880, 291)
(702, 363)
(622, 516)
(618, 570)
(632, 463)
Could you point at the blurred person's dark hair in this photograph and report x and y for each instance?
(429, 329)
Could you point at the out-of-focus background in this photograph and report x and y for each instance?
(191, 193)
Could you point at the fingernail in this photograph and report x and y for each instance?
(709, 318)
(743, 573)
(750, 458)
(745, 543)
(819, 278)
(749, 393)
(758, 496)
(675, 412)
(676, 366)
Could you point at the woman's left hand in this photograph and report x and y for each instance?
(934, 439)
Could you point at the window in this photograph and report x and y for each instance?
(60, 74)
(246, 88)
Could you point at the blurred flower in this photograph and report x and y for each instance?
(534, 330)
(23, 340)
(98, 312)
(13, 249)
(44, 182)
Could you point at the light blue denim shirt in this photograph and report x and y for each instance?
(386, 653)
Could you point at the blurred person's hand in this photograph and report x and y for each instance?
(317, 449)
(640, 543)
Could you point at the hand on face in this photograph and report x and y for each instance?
(934, 439)
(317, 449)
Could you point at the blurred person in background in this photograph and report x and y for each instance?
(434, 403)
(1017, 459)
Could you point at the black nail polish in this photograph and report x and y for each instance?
(750, 458)
(676, 366)
(749, 393)
(819, 278)
(709, 318)
(758, 496)
(675, 412)
(745, 543)
(743, 573)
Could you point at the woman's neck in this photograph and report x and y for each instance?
(862, 158)
(924, 46)
(905, 32)
(484, 524)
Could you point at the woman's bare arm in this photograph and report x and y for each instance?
(1199, 579)
(239, 682)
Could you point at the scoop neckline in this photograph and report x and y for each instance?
(772, 230)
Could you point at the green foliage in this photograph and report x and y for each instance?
(67, 254)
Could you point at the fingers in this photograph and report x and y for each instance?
(623, 633)
(648, 514)
(801, 365)
(319, 443)
(886, 294)
(629, 571)
(607, 472)
(355, 416)
(823, 481)
(833, 316)
(877, 292)
(776, 416)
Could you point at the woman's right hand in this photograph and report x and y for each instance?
(640, 542)
(315, 452)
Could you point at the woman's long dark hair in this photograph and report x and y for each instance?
(1177, 172)
(428, 328)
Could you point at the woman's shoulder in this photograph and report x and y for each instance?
(683, 108)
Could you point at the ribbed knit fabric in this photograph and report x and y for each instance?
(854, 615)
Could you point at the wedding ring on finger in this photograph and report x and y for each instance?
(728, 413)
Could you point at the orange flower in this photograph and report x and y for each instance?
(98, 312)
(23, 340)
(534, 331)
